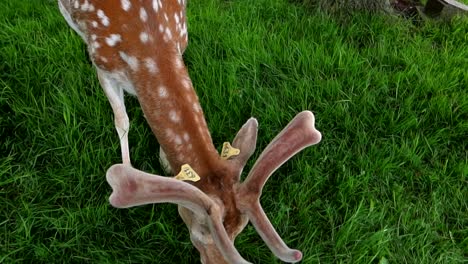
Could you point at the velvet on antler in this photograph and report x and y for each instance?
(132, 187)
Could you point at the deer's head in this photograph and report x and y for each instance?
(218, 206)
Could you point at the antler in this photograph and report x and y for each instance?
(297, 135)
(132, 187)
(245, 141)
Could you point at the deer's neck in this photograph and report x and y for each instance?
(173, 112)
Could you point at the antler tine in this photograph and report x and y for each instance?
(297, 135)
(132, 187)
(268, 233)
(245, 141)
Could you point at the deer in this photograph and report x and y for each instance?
(136, 46)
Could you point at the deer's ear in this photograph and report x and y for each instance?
(245, 141)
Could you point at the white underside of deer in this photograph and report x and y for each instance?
(136, 46)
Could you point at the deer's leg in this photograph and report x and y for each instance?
(64, 7)
(115, 94)
(164, 162)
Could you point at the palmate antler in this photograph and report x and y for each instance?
(132, 187)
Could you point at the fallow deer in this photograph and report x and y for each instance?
(136, 46)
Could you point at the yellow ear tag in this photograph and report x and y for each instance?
(228, 151)
(187, 174)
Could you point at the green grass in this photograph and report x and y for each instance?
(388, 182)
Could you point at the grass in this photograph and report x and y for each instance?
(387, 184)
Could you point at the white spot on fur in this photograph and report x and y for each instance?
(144, 37)
(151, 65)
(168, 33)
(76, 4)
(162, 91)
(183, 31)
(95, 45)
(161, 28)
(126, 4)
(113, 39)
(143, 15)
(131, 61)
(174, 116)
(186, 137)
(157, 4)
(196, 108)
(102, 16)
(93, 37)
(94, 24)
(166, 17)
(85, 6)
(177, 140)
(186, 83)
